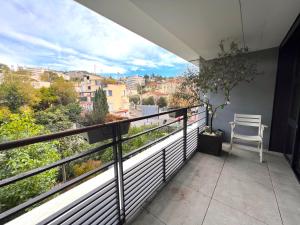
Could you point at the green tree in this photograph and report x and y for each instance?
(162, 102)
(49, 76)
(64, 90)
(11, 96)
(100, 109)
(135, 99)
(148, 101)
(48, 98)
(23, 159)
(218, 76)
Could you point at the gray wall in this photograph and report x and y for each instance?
(252, 98)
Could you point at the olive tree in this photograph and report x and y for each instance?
(218, 76)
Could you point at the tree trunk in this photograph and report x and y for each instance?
(211, 123)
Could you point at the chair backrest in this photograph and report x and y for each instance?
(247, 120)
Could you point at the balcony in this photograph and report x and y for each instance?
(114, 192)
(166, 181)
(234, 189)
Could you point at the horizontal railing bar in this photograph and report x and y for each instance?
(192, 142)
(143, 168)
(174, 167)
(177, 151)
(140, 195)
(175, 154)
(170, 147)
(38, 170)
(178, 145)
(177, 168)
(61, 134)
(132, 170)
(112, 222)
(175, 158)
(127, 182)
(149, 130)
(173, 164)
(125, 157)
(77, 202)
(53, 191)
(129, 209)
(132, 187)
(74, 215)
(174, 170)
(148, 182)
(104, 218)
(83, 215)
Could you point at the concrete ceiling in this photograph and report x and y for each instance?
(193, 28)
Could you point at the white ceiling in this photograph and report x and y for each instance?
(193, 28)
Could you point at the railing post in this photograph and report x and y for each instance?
(121, 177)
(116, 170)
(184, 132)
(164, 165)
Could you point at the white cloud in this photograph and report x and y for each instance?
(64, 30)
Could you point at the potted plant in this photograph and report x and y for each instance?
(99, 115)
(218, 76)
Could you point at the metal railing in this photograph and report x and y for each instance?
(118, 199)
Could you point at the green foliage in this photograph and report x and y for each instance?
(64, 90)
(48, 98)
(54, 119)
(100, 109)
(135, 99)
(220, 75)
(84, 167)
(143, 139)
(49, 76)
(11, 96)
(141, 89)
(162, 102)
(24, 159)
(73, 111)
(148, 101)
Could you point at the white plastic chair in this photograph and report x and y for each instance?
(251, 121)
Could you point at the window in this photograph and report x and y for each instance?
(109, 92)
(89, 87)
(83, 99)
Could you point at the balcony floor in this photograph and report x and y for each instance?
(234, 189)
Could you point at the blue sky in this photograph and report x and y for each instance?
(63, 35)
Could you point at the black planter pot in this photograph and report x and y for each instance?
(211, 144)
(104, 133)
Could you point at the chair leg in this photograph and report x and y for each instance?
(231, 143)
(261, 152)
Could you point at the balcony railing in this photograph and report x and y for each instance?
(130, 184)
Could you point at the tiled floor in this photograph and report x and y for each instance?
(234, 189)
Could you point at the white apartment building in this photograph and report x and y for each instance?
(132, 82)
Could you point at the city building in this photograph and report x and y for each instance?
(117, 97)
(168, 180)
(169, 86)
(133, 82)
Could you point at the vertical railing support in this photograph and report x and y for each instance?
(116, 170)
(164, 164)
(121, 177)
(185, 118)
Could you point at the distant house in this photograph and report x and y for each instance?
(133, 82)
(116, 93)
